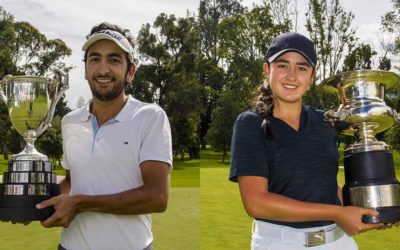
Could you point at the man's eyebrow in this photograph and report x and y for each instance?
(109, 55)
(114, 55)
(94, 54)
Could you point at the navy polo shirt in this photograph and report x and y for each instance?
(301, 164)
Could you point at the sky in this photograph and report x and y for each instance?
(71, 21)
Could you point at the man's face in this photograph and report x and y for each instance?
(107, 70)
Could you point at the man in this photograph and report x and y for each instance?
(117, 153)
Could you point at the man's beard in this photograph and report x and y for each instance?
(118, 88)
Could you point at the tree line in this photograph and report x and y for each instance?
(204, 69)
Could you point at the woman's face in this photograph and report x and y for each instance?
(289, 77)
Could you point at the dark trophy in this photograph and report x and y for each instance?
(31, 102)
(370, 179)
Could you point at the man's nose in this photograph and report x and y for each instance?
(103, 68)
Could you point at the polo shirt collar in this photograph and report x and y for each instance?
(122, 116)
(303, 120)
(126, 110)
(85, 114)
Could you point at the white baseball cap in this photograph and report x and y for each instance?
(113, 36)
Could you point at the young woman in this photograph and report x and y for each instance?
(285, 159)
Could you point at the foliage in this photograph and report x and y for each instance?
(61, 107)
(223, 117)
(392, 137)
(211, 13)
(50, 142)
(33, 53)
(391, 23)
(7, 39)
(330, 29)
(169, 76)
(26, 51)
(243, 40)
(359, 58)
(212, 73)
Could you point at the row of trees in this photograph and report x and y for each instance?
(204, 69)
(25, 50)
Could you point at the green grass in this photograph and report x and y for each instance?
(224, 223)
(177, 228)
(185, 173)
(210, 217)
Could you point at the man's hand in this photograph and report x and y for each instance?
(65, 207)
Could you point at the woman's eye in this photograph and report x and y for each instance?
(282, 66)
(302, 68)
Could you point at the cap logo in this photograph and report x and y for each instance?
(113, 34)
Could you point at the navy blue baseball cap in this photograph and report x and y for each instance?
(292, 42)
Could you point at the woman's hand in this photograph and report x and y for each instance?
(349, 218)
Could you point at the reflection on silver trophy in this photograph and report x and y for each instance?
(31, 102)
(370, 179)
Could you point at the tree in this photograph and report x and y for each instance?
(211, 13)
(220, 132)
(359, 58)
(7, 39)
(244, 40)
(61, 107)
(284, 12)
(50, 142)
(25, 51)
(329, 28)
(391, 23)
(33, 53)
(169, 76)
(212, 73)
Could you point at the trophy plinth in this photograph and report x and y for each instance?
(370, 179)
(31, 102)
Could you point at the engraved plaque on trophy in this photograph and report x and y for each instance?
(370, 179)
(31, 102)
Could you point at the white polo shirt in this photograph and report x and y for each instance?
(109, 162)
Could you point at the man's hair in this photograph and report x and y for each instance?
(107, 26)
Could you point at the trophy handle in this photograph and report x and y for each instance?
(396, 115)
(63, 79)
(2, 83)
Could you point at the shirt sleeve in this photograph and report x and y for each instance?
(156, 139)
(248, 149)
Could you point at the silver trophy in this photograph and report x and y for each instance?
(370, 179)
(31, 102)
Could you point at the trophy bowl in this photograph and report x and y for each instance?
(31, 102)
(370, 179)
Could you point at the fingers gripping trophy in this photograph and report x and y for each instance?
(31, 102)
(370, 179)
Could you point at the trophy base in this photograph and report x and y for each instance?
(22, 207)
(386, 215)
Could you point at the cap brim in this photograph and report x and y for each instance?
(101, 36)
(277, 55)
